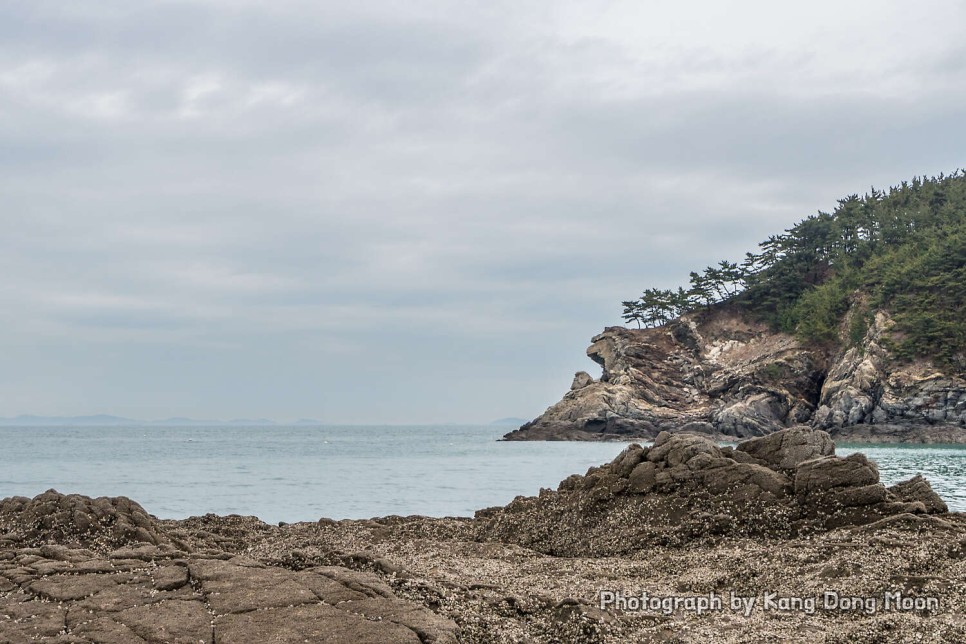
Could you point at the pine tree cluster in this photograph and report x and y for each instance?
(901, 250)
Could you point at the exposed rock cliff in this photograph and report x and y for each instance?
(718, 373)
(711, 373)
(868, 395)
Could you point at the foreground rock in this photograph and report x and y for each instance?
(718, 373)
(777, 515)
(686, 488)
(151, 591)
(76, 520)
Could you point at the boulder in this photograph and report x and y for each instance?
(581, 380)
(918, 489)
(678, 449)
(829, 472)
(785, 450)
(75, 520)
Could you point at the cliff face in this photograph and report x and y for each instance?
(868, 395)
(718, 373)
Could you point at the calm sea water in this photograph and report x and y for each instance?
(943, 465)
(303, 473)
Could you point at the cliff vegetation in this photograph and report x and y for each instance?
(902, 250)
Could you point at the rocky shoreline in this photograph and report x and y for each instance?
(775, 517)
(718, 373)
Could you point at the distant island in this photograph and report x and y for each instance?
(106, 420)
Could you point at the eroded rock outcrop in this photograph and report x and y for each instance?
(710, 372)
(868, 395)
(75, 520)
(685, 488)
(717, 373)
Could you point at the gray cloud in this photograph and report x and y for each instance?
(416, 212)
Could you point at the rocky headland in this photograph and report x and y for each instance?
(720, 373)
(682, 517)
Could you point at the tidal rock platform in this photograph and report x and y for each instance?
(779, 523)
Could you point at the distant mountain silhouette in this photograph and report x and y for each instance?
(97, 419)
(106, 420)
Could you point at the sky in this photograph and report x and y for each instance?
(416, 212)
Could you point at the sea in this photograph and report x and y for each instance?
(303, 473)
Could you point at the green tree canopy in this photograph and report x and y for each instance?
(903, 250)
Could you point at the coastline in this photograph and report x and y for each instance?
(523, 572)
(886, 435)
(913, 434)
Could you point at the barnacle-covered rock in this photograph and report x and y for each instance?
(76, 520)
(684, 488)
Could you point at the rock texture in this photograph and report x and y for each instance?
(717, 373)
(80, 521)
(867, 389)
(777, 514)
(61, 581)
(685, 488)
(712, 373)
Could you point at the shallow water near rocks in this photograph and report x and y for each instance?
(944, 466)
(303, 473)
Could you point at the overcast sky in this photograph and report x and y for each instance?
(408, 212)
